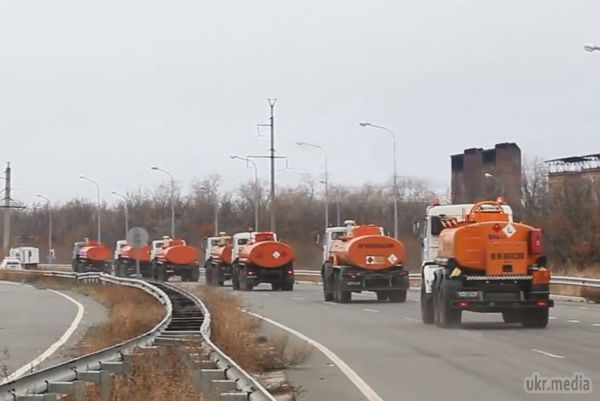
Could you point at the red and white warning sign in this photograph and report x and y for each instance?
(276, 255)
(509, 230)
(370, 260)
(393, 259)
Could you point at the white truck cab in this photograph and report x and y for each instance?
(156, 245)
(118, 246)
(239, 240)
(429, 230)
(28, 256)
(210, 243)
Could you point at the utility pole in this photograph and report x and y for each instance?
(7, 208)
(271, 156)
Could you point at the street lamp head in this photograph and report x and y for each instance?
(488, 175)
(153, 168)
(83, 177)
(591, 48)
(364, 123)
(300, 143)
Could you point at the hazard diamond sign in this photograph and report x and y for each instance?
(393, 259)
(509, 230)
(370, 260)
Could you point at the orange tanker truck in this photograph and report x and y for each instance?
(258, 257)
(476, 258)
(361, 258)
(173, 257)
(90, 255)
(219, 260)
(124, 259)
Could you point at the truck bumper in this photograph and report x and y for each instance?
(500, 306)
(376, 282)
(256, 275)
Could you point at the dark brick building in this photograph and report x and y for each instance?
(469, 181)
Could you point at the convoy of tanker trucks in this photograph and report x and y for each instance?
(475, 258)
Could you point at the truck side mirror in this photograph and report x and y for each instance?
(318, 239)
(416, 228)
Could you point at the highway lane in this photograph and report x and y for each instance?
(33, 319)
(403, 359)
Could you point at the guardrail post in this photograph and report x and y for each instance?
(217, 387)
(99, 377)
(75, 388)
(123, 368)
(202, 377)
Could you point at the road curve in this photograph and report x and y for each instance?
(33, 320)
(402, 359)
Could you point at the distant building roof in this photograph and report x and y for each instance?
(574, 163)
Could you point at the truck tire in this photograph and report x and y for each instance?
(327, 286)
(160, 272)
(275, 286)
(535, 319)
(341, 296)
(244, 284)
(449, 317)
(235, 278)
(195, 274)
(426, 305)
(208, 274)
(512, 316)
(382, 296)
(287, 286)
(397, 296)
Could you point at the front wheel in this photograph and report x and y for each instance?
(382, 296)
(398, 296)
(160, 272)
(426, 306)
(287, 286)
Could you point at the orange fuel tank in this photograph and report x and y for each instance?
(264, 251)
(489, 243)
(129, 252)
(94, 251)
(175, 251)
(367, 248)
(222, 253)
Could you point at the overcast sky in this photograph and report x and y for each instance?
(108, 88)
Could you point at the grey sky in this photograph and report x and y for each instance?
(107, 89)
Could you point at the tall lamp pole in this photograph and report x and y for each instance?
(99, 204)
(155, 168)
(125, 206)
(326, 180)
(368, 124)
(49, 227)
(256, 194)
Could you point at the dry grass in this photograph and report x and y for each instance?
(131, 313)
(238, 335)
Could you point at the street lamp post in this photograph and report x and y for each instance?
(256, 194)
(172, 197)
(99, 204)
(125, 206)
(216, 223)
(368, 124)
(326, 180)
(49, 227)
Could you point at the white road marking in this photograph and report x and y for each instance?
(267, 295)
(410, 319)
(9, 282)
(330, 303)
(552, 317)
(370, 310)
(584, 308)
(298, 298)
(54, 347)
(539, 351)
(573, 321)
(364, 388)
(596, 324)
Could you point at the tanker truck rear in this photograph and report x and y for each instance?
(476, 258)
(173, 257)
(258, 257)
(90, 256)
(218, 259)
(124, 259)
(361, 258)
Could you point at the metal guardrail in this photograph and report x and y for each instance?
(564, 280)
(61, 378)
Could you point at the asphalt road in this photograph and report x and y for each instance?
(400, 358)
(33, 319)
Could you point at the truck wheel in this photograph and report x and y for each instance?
(536, 319)
(426, 305)
(244, 284)
(398, 296)
(512, 317)
(287, 286)
(153, 270)
(195, 274)
(343, 296)
(327, 290)
(449, 317)
(382, 296)
(160, 273)
(275, 286)
(235, 279)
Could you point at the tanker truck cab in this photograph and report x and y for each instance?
(360, 258)
(259, 257)
(218, 259)
(477, 258)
